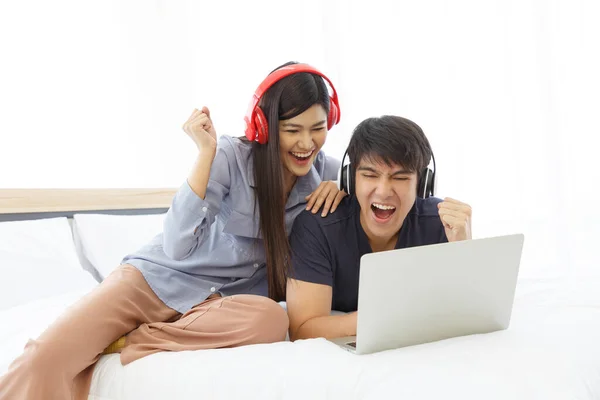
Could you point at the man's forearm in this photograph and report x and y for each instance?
(328, 327)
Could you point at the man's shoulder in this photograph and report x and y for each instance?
(340, 217)
(426, 208)
(427, 223)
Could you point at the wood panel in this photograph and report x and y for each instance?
(15, 201)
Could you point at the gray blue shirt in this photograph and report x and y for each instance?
(213, 244)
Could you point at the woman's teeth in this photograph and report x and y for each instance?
(302, 155)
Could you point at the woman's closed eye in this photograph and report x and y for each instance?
(293, 131)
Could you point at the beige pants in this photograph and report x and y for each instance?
(59, 364)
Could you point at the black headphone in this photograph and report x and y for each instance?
(425, 186)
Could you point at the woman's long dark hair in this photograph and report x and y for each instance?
(286, 99)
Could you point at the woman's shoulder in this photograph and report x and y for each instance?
(327, 167)
(233, 142)
(234, 147)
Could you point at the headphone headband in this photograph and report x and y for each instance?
(252, 131)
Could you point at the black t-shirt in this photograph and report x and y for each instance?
(327, 250)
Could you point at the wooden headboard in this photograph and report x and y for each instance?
(37, 203)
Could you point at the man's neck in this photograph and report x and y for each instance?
(382, 244)
(379, 243)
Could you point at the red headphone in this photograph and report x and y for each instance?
(256, 122)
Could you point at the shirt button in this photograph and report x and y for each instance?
(255, 265)
(204, 209)
(212, 289)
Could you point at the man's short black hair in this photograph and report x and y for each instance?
(391, 139)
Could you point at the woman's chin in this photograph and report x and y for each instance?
(299, 167)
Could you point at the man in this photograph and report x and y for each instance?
(389, 155)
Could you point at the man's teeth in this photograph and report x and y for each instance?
(383, 206)
(303, 155)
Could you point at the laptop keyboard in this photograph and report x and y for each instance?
(351, 344)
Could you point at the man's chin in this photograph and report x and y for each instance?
(387, 228)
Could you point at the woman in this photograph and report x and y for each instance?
(211, 279)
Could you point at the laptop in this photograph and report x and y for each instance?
(428, 293)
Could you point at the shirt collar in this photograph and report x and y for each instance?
(304, 185)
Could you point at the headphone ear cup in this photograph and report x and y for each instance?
(262, 126)
(348, 179)
(352, 176)
(425, 184)
(250, 129)
(332, 118)
(429, 186)
(344, 179)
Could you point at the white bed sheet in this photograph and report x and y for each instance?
(551, 351)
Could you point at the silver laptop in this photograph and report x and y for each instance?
(428, 293)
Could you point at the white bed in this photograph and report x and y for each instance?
(550, 351)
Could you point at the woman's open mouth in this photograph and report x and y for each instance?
(301, 158)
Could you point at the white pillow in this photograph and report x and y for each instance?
(103, 240)
(38, 260)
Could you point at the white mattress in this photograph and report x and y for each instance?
(551, 351)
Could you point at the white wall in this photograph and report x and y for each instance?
(93, 94)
